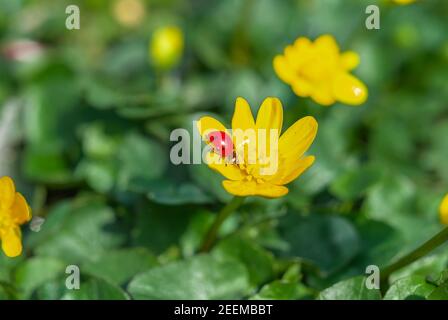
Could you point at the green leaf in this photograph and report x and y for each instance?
(197, 228)
(78, 232)
(48, 114)
(409, 288)
(288, 287)
(351, 289)
(283, 290)
(51, 290)
(380, 244)
(334, 158)
(96, 289)
(440, 293)
(45, 163)
(119, 266)
(98, 143)
(50, 124)
(140, 158)
(169, 192)
(201, 277)
(392, 195)
(443, 277)
(393, 200)
(7, 265)
(177, 194)
(102, 96)
(99, 175)
(167, 224)
(428, 266)
(258, 262)
(354, 183)
(35, 272)
(3, 293)
(210, 181)
(328, 241)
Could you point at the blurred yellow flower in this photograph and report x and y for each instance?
(14, 211)
(320, 71)
(443, 211)
(166, 47)
(251, 177)
(129, 13)
(403, 1)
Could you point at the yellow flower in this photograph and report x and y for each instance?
(14, 211)
(403, 1)
(320, 71)
(443, 210)
(248, 169)
(166, 47)
(129, 13)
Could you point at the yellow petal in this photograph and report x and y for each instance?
(322, 95)
(242, 117)
(251, 188)
(327, 43)
(208, 124)
(230, 171)
(297, 139)
(349, 90)
(303, 52)
(269, 125)
(244, 134)
(20, 210)
(301, 87)
(302, 45)
(7, 192)
(11, 242)
(443, 211)
(350, 60)
(283, 69)
(292, 171)
(293, 58)
(270, 115)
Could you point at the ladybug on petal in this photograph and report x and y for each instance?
(222, 145)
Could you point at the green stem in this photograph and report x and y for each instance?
(421, 251)
(225, 212)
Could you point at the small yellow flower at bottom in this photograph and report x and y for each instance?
(246, 165)
(14, 211)
(166, 47)
(443, 210)
(319, 70)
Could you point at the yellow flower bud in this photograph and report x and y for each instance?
(443, 211)
(166, 47)
(403, 1)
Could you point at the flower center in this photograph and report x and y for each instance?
(250, 172)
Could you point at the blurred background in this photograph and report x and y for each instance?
(85, 119)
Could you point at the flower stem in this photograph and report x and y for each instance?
(225, 212)
(421, 251)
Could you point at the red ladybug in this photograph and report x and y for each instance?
(222, 145)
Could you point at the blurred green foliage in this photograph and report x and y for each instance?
(88, 144)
